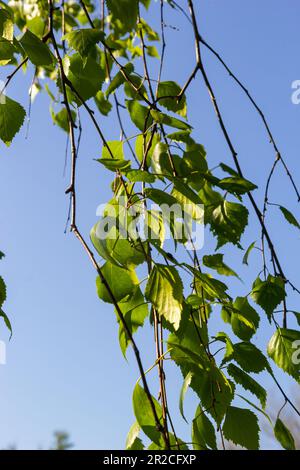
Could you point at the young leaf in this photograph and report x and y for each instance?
(221, 336)
(122, 282)
(160, 197)
(268, 294)
(37, 51)
(144, 414)
(6, 24)
(7, 50)
(12, 116)
(86, 75)
(139, 175)
(184, 389)
(244, 319)
(283, 348)
(162, 118)
(171, 90)
(250, 358)
(236, 185)
(82, 40)
(6, 321)
(241, 427)
(119, 79)
(140, 115)
(284, 436)
(289, 216)
(124, 14)
(248, 383)
(135, 310)
(115, 148)
(133, 442)
(228, 222)
(61, 118)
(247, 253)
(102, 103)
(216, 262)
(114, 164)
(164, 290)
(203, 432)
(2, 291)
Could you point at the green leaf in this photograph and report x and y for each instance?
(7, 50)
(164, 290)
(102, 103)
(119, 79)
(135, 310)
(152, 51)
(114, 164)
(148, 139)
(268, 294)
(37, 51)
(236, 185)
(283, 435)
(228, 169)
(86, 76)
(228, 222)
(250, 358)
(184, 388)
(133, 442)
(114, 247)
(283, 348)
(6, 25)
(6, 320)
(171, 91)
(181, 136)
(61, 118)
(36, 25)
(213, 287)
(2, 255)
(210, 384)
(289, 217)
(144, 414)
(162, 118)
(194, 166)
(140, 115)
(216, 262)
(221, 336)
(189, 200)
(138, 175)
(115, 148)
(296, 314)
(124, 14)
(154, 228)
(2, 291)
(203, 432)
(215, 392)
(160, 197)
(122, 282)
(134, 88)
(244, 319)
(83, 40)
(241, 427)
(248, 383)
(12, 116)
(247, 253)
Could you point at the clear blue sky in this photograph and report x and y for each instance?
(64, 368)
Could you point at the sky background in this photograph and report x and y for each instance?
(64, 368)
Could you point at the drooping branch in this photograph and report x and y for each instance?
(75, 230)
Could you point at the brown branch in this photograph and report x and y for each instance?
(76, 231)
(228, 140)
(278, 155)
